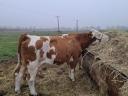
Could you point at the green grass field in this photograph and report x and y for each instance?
(9, 40)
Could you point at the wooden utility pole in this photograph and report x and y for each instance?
(58, 24)
(77, 25)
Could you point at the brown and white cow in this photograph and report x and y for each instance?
(36, 50)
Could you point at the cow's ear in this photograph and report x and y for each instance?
(90, 34)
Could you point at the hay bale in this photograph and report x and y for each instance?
(108, 79)
(124, 90)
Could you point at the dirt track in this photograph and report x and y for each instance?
(55, 81)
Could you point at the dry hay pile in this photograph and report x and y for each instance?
(115, 53)
(51, 82)
(55, 82)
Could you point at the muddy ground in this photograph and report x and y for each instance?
(54, 81)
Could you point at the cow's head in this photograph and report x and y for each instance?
(99, 36)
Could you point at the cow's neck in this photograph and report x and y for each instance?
(85, 40)
(87, 43)
(91, 41)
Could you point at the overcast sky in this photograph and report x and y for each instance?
(42, 13)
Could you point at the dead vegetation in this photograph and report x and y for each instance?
(105, 77)
(55, 82)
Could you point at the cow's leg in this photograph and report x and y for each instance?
(16, 72)
(32, 70)
(80, 62)
(71, 73)
(17, 68)
(72, 64)
(18, 78)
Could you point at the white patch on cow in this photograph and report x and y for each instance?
(71, 59)
(17, 82)
(53, 57)
(52, 48)
(48, 61)
(64, 35)
(18, 78)
(33, 40)
(32, 70)
(46, 48)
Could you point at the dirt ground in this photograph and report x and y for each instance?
(54, 81)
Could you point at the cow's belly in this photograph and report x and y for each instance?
(47, 61)
(56, 59)
(62, 57)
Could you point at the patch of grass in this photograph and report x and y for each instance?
(9, 41)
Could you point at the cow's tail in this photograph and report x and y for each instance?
(22, 38)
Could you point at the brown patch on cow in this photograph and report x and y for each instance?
(39, 44)
(31, 53)
(28, 53)
(53, 41)
(65, 48)
(50, 53)
(22, 38)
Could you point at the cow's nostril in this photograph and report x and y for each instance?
(97, 59)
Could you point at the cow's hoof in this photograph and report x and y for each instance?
(17, 91)
(73, 80)
(33, 94)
